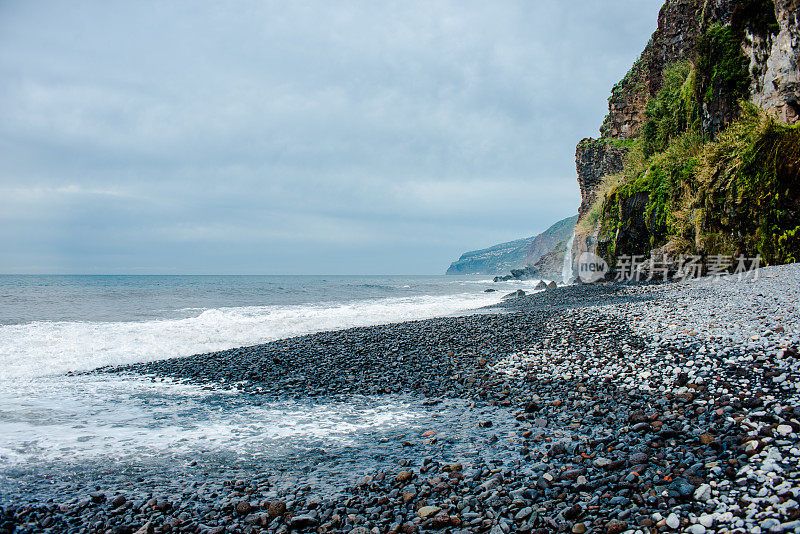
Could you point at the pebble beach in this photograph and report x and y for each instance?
(637, 408)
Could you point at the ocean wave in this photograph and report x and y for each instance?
(491, 282)
(111, 416)
(50, 348)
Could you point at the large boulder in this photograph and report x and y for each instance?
(516, 294)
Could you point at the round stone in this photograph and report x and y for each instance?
(673, 521)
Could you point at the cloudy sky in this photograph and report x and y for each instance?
(295, 137)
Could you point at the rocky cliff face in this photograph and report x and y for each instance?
(595, 159)
(502, 258)
(775, 83)
(675, 39)
(738, 49)
(548, 267)
(771, 44)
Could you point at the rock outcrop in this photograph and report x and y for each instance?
(548, 267)
(675, 39)
(775, 83)
(738, 49)
(594, 160)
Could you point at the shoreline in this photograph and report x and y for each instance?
(579, 408)
(479, 334)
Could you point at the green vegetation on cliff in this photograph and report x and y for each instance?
(750, 188)
(680, 189)
(721, 65)
(705, 171)
(671, 112)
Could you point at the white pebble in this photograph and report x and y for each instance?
(770, 523)
(673, 521)
(703, 493)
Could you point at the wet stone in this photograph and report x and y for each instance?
(589, 393)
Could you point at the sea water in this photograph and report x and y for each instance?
(53, 325)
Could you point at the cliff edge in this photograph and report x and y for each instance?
(700, 150)
(502, 258)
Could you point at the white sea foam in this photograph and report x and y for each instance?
(46, 416)
(76, 418)
(52, 348)
(527, 285)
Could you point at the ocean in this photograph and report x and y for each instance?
(53, 325)
(50, 325)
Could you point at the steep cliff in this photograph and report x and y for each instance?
(773, 59)
(675, 39)
(548, 267)
(514, 254)
(697, 153)
(594, 159)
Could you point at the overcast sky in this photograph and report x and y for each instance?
(295, 137)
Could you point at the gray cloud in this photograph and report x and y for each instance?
(280, 137)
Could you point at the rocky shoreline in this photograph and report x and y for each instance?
(612, 408)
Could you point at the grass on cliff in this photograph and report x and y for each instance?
(659, 163)
(671, 112)
(721, 65)
(730, 185)
(750, 188)
(737, 194)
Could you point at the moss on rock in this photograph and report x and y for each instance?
(734, 195)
